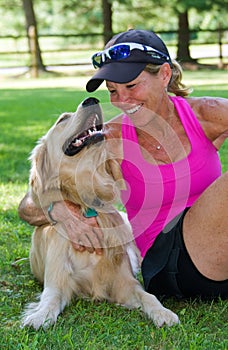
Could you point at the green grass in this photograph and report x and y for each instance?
(28, 109)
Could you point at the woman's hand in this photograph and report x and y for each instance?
(84, 233)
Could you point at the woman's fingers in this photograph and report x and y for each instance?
(84, 233)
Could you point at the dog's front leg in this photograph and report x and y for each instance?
(152, 307)
(50, 253)
(45, 312)
(130, 293)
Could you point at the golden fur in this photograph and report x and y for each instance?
(90, 178)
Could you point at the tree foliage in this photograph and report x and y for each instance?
(112, 16)
(67, 16)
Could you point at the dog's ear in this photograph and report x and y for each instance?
(42, 176)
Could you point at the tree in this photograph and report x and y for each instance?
(112, 16)
(32, 33)
(182, 8)
(183, 51)
(107, 20)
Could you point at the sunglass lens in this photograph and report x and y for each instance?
(119, 52)
(97, 60)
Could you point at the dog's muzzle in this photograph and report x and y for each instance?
(92, 126)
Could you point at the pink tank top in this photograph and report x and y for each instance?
(156, 194)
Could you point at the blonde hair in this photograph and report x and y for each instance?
(175, 85)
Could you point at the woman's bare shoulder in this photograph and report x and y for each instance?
(209, 108)
(212, 114)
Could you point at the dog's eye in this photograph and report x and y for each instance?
(63, 117)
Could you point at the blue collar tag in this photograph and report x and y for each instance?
(90, 212)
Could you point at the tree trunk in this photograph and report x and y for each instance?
(31, 29)
(107, 20)
(183, 52)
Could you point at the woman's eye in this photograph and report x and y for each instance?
(130, 86)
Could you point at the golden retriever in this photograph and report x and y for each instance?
(71, 162)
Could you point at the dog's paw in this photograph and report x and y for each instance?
(36, 323)
(38, 317)
(163, 316)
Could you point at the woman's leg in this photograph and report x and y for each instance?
(205, 231)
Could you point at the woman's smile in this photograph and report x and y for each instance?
(133, 109)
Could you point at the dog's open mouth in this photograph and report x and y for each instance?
(91, 135)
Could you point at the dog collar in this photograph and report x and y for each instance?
(53, 222)
(90, 212)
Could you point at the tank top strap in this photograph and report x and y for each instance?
(191, 124)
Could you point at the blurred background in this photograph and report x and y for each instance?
(41, 35)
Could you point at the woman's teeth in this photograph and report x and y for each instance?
(133, 110)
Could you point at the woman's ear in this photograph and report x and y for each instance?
(166, 73)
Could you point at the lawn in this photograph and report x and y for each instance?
(28, 108)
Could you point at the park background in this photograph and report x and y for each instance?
(39, 82)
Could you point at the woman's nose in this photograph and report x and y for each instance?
(124, 99)
(123, 96)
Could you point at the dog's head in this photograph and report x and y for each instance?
(71, 160)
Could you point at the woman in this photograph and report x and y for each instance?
(176, 197)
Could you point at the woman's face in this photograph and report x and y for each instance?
(141, 98)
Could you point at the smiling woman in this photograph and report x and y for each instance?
(167, 131)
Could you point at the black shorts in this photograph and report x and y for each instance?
(168, 270)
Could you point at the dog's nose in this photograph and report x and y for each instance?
(90, 101)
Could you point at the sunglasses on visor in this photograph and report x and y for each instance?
(123, 50)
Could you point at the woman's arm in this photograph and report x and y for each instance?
(28, 212)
